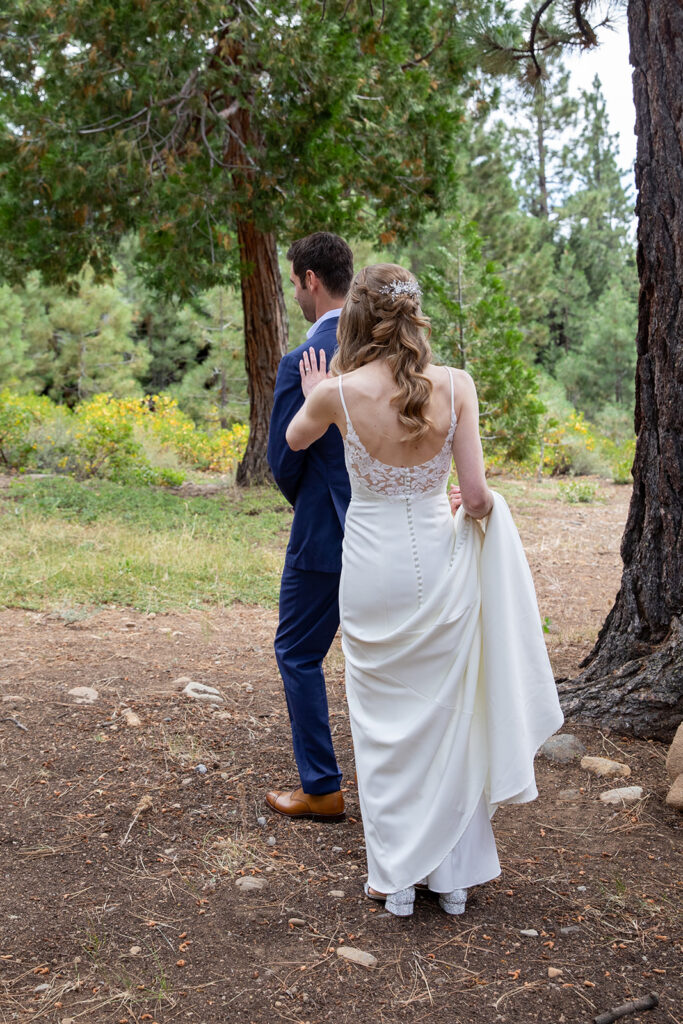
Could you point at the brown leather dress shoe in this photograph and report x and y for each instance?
(297, 804)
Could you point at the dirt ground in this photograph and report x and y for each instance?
(123, 846)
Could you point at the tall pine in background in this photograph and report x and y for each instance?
(212, 129)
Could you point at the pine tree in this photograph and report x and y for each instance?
(210, 127)
(215, 388)
(600, 369)
(519, 244)
(15, 362)
(596, 216)
(162, 324)
(632, 678)
(548, 113)
(81, 342)
(475, 327)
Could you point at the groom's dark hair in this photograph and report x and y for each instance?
(328, 256)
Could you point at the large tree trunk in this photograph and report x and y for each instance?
(265, 342)
(263, 301)
(633, 677)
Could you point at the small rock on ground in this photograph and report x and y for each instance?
(200, 691)
(625, 795)
(674, 759)
(569, 795)
(84, 694)
(296, 922)
(554, 972)
(675, 795)
(250, 883)
(357, 956)
(530, 932)
(337, 894)
(132, 720)
(563, 749)
(603, 767)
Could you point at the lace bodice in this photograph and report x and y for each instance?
(396, 482)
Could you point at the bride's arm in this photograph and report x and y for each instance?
(321, 407)
(467, 452)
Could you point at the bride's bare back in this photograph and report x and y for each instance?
(368, 391)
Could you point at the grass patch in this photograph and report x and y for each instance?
(69, 542)
(579, 491)
(524, 493)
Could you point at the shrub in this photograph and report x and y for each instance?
(620, 456)
(579, 491)
(125, 440)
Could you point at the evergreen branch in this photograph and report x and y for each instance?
(532, 35)
(102, 127)
(584, 28)
(425, 56)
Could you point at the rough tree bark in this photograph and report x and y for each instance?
(633, 677)
(265, 342)
(263, 301)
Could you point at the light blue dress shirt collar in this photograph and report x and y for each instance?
(326, 316)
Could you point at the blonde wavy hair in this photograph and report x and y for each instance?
(382, 320)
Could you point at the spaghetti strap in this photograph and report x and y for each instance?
(450, 377)
(349, 425)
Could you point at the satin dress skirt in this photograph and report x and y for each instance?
(410, 606)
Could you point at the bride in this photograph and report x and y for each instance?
(449, 688)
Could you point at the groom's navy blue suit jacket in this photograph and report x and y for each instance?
(314, 481)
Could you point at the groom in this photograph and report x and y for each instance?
(315, 482)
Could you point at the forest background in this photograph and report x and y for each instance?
(528, 271)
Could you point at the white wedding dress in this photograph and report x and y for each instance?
(449, 688)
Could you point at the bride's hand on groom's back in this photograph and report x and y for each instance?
(311, 371)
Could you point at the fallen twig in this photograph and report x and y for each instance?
(144, 805)
(16, 722)
(645, 1003)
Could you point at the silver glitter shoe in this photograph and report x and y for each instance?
(401, 903)
(453, 902)
(398, 903)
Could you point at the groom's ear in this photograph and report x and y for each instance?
(312, 281)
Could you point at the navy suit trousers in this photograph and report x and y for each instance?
(309, 618)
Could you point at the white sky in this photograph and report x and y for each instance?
(610, 62)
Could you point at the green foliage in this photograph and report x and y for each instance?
(78, 342)
(163, 325)
(119, 440)
(578, 491)
(99, 542)
(157, 130)
(539, 140)
(600, 369)
(19, 416)
(570, 444)
(182, 120)
(475, 327)
(519, 244)
(214, 390)
(597, 212)
(15, 363)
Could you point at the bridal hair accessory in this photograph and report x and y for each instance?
(396, 288)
